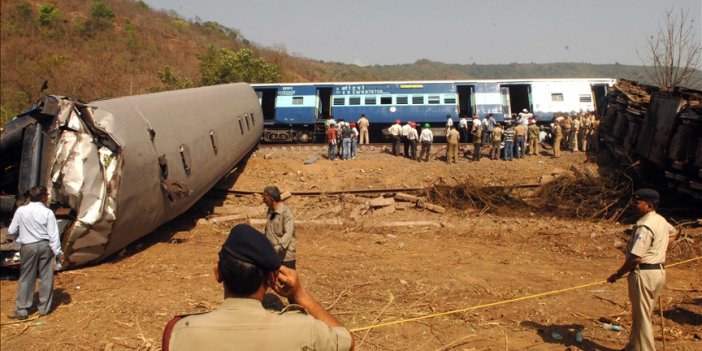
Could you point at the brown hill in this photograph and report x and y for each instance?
(107, 48)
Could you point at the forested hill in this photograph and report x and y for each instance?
(108, 48)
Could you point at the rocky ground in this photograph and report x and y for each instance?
(490, 266)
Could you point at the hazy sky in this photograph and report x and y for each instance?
(368, 32)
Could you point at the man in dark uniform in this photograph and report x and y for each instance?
(247, 266)
(644, 264)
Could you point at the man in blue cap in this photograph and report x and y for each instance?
(645, 259)
(247, 266)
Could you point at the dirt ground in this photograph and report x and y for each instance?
(471, 278)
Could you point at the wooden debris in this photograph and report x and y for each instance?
(286, 195)
(382, 202)
(232, 209)
(407, 197)
(431, 207)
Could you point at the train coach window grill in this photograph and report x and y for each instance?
(449, 100)
(585, 98)
(418, 100)
(386, 100)
(402, 100)
(213, 139)
(297, 100)
(354, 101)
(248, 127)
(241, 126)
(434, 99)
(185, 157)
(556, 96)
(370, 100)
(339, 101)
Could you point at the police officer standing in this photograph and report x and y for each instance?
(644, 264)
(247, 267)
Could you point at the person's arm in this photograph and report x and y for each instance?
(13, 230)
(289, 286)
(629, 265)
(54, 240)
(288, 229)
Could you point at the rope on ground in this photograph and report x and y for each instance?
(503, 302)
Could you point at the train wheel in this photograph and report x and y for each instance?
(304, 137)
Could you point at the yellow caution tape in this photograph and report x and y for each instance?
(467, 309)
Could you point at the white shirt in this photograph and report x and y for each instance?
(394, 129)
(426, 135)
(412, 134)
(405, 129)
(449, 122)
(463, 123)
(476, 123)
(35, 222)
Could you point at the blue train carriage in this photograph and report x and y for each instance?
(296, 112)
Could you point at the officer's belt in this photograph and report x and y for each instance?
(651, 266)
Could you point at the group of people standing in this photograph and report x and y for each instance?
(343, 137)
(577, 132)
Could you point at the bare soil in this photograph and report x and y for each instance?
(476, 282)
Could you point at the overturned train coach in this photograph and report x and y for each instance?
(117, 169)
(662, 129)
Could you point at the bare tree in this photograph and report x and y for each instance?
(674, 53)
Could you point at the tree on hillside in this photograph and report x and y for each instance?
(674, 54)
(219, 66)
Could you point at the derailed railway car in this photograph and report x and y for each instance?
(295, 112)
(117, 169)
(660, 128)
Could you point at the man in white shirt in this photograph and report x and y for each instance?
(39, 244)
(426, 138)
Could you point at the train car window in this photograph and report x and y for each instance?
(434, 99)
(213, 140)
(556, 96)
(418, 100)
(354, 101)
(246, 116)
(185, 157)
(241, 126)
(339, 101)
(371, 100)
(585, 98)
(402, 100)
(386, 100)
(450, 100)
(297, 100)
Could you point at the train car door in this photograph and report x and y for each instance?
(322, 108)
(267, 97)
(519, 97)
(466, 100)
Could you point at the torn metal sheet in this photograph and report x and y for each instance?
(119, 168)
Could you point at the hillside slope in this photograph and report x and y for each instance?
(99, 49)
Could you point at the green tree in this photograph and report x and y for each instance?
(49, 14)
(219, 66)
(101, 15)
(171, 79)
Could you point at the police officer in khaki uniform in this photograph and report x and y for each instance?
(280, 226)
(645, 259)
(452, 145)
(247, 266)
